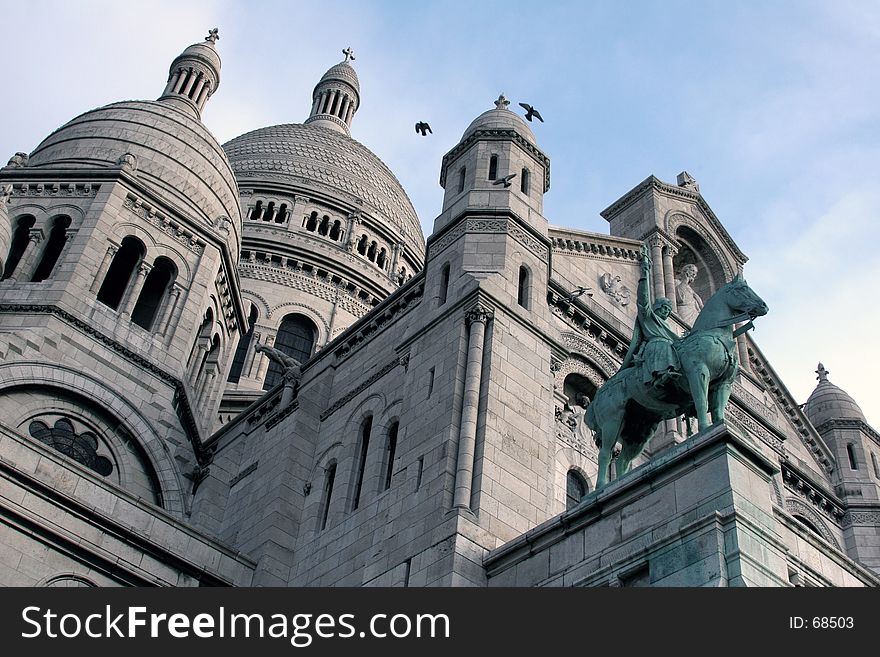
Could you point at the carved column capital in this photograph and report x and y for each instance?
(656, 241)
(478, 314)
(144, 269)
(35, 235)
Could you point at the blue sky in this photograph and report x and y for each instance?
(774, 107)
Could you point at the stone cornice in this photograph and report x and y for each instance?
(573, 244)
(402, 361)
(601, 326)
(496, 135)
(500, 220)
(181, 401)
(849, 424)
(815, 492)
(655, 184)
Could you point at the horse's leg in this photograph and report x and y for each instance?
(609, 436)
(718, 400)
(698, 381)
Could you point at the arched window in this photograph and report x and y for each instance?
(282, 214)
(324, 228)
(127, 258)
(575, 488)
(444, 285)
(270, 210)
(362, 245)
(20, 238)
(851, 453)
(311, 222)
(808, 524)
(380, 259)
(522, 294)
(244, 345)
(371, 252)
(82, 447)
(363, 447)
(52, 250)
(493, 167)
(202, 337)
(257, 211)
(461, 175)
(390, 452)
(154, 293)
(336, 231)
(296, 338)
(524, 181)
(327, 493)
(876, 465)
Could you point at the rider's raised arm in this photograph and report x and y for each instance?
(643, 294)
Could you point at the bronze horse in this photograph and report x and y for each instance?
(628, 411)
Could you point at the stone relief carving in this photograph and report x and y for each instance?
(614, 288)
(571, 427)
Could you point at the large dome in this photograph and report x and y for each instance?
(175, 154)
(332, 164)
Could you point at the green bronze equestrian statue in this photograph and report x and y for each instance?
(663, 376)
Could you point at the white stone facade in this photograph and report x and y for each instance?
(436, 435)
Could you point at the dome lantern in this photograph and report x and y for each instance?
(336, 97)
(194, 76)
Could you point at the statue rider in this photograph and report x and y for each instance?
(652, 340)
(291, 371)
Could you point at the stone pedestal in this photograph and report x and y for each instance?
(700, 514)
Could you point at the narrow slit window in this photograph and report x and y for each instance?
(524, 181)
(493, 167)
(522, 296)
(461, 175)
(327, 494)
(444, 285)
(851, 453)
(390, 452)
(362, 462)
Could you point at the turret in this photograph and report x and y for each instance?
(336, 97)
(194, 76)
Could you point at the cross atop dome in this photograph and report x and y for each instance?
(502, 102)
(349, 54)
(823, 373)
(213, 35)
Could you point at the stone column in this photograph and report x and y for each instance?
(172, 81)
(354, 218)
(299, 209)
(170, 306)
(656, 244)
(344, 109)
(203, 95)
(669, 275)
(143, 271)
(477, 318)
(190, 82)
(395, 256)
(197, 89)
(181, 78)
(250, 357)
(105, 265)
(28, 259)
(263, 364)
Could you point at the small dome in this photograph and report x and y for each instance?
(174, 154)
(311, 157)
(204, 51)
(343, 72)
(501, 118)
(828, 402)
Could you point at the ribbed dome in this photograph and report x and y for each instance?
(175, 155)
(334, 165)
(500, 119)
(828, 402)
(343, 72)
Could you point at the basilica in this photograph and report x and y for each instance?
(246, 365)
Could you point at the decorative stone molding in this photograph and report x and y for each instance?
(168, 226)
(809, 492)
(870, 518)
(388, 367)
(797, 507)
(606, 364)
(849, 424)
(222, 284)
(592, 247)
(594, 323)
(741, 418)
(678, 219)
(83, 190)
(503, 225)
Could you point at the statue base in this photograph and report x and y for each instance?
(699, 514)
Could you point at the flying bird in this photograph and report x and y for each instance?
(505, 180)
(578, 292)
(530, 112)
(422, 127)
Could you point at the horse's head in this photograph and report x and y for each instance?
(734, 303)
(742, 299)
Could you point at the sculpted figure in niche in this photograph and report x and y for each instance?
(582, 432)
(291, 371)
(689, 302)
(614, 288)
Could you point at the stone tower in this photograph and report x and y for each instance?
(856, 447)
(120, 298)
